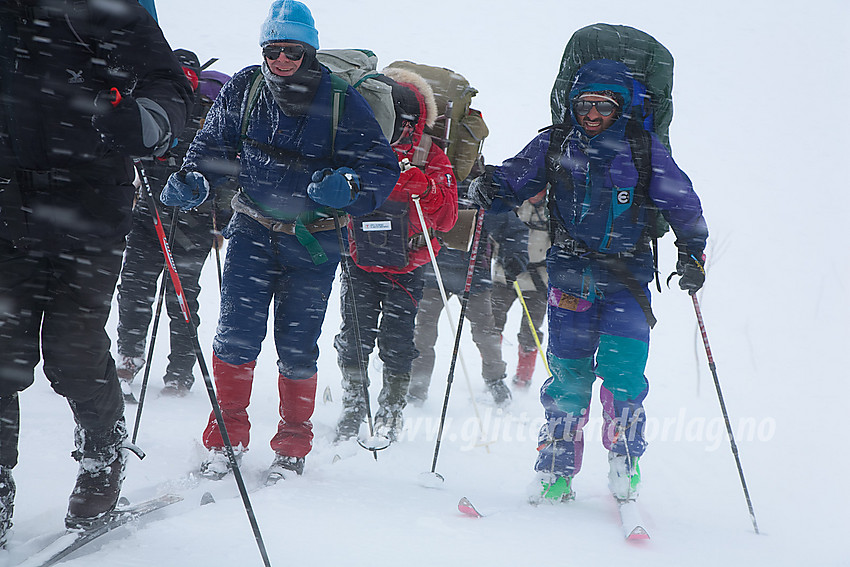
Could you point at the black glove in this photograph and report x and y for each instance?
(482, 190)
(513, 268)
(118, 118)
(691, 268)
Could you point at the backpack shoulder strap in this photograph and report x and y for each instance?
(558, 134)
(339, 88)
(640, 141)
(256, 84)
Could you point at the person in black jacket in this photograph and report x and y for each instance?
(197, 230)
(83, 86)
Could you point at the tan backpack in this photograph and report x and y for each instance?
(460, 130)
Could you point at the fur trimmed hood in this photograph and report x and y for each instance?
(421, 85)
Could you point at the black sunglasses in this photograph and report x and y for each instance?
(292, 52)
(603, 107)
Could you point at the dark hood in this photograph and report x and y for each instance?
(605, 75)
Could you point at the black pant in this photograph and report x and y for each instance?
(392, 298)
(59, 302)
(143, 263)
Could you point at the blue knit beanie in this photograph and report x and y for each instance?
(289, 20)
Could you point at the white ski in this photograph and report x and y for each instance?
(631, 520)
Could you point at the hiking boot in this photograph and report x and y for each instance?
(524, 367)
(175, 389)
(349, 422)
(353, 404)
(500, 392)
(179, 375)
(417, 398)
(216, 465)
(551, 489)
(623, 480)
(392, 399)
(7, 503)
(389, 423)
(96, 492)
(284, 467)
(128, 366)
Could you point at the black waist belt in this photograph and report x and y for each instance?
(34, 179)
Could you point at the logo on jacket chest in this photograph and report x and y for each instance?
(624, 196)
(76, 77)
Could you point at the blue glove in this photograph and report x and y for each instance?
(334, 188)
(185, 189)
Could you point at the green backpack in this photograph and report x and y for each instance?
(460, 130)
(359, 68)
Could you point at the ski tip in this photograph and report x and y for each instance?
(638, 534)
(466, 508)
(207, 498)
(336, 459)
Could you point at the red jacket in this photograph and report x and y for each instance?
(438, 200)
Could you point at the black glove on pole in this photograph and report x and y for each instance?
(483, 190)
(119, 120)
(692, 269)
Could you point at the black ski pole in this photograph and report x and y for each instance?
(158, 311)
(343, 252)
(713, 369)
(187, 316)
(473, 256)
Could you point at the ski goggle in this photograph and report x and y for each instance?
(291, 52)
(603, 107)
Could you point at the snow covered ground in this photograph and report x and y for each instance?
(755, 130)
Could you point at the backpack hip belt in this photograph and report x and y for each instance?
(567, 243)
(320, 225)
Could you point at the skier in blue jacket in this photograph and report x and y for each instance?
(599, 266)
(296, 170)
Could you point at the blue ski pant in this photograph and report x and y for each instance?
(264, 268)
(609, 340)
